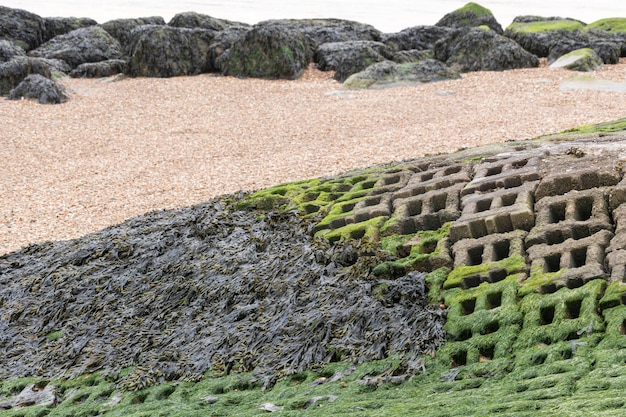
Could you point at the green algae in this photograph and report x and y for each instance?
(476, 9)
(613, 126)
(545, 26)
(512, 265)
(611, 24)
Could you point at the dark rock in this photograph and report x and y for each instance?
(100, 69)
(165, 51)
(194, 20)
(412, 55)
(470, 15)
(585, 59)
(8, 50)
(40, 88)
(90, 44)
(608, 51)
(121, 29)
(538, 36)
(482, 50)
(531, 19)
(347, 58)
(222, 42)
(24, 28)
(55, 26)
(14, 71)
(268, 50)
(387, 73)
(416, 37)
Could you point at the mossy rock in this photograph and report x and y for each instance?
(121, 29)
(19, 67)
(611, 24)
(585, 60)
(538, 36)
(56, 26)
(387, 73)
(193, 20)
(471, 15)
(24, 28)
(351, 57)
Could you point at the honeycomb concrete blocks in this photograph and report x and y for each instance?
(505, 172)
(616, 252)
(435, 178)
(489, 249)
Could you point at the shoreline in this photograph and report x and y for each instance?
(120, 149)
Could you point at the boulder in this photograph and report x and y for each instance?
(471, 15)
(347, 58)
(615, 26)
(412, 55)
(585, 59)
(100, 69)
(121, 29)
(387, 73)
(8, 50)
(222, 42)
(14, 71)
(90, 44)
(24, 28)
(482, 50)
(538, 36)
(607, 50)
(165, 51)
(55, 26)
(40, 88)
(194, 20)
(267, 50)
(416, 37)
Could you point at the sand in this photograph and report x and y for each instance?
(121, 148)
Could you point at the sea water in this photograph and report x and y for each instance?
(385, 15)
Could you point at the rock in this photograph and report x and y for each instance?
(24, 28)
(100, 69)
(121, 29)
(268, 50)
(412, 55)
(388, 73)
(616, 27)
(471, 15)
(55, 26)
(194, 20)
(32, 395)
(608, 51)
(584, 59)
(482, 50)
(538, 36)
(38, 87)
(8, 50)
(14, 71)
(90, 44)
(347, 58)
(165, 51)
(222, 42)
(416, 37)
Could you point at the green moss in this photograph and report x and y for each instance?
(539, 279)
(545, 26)
(611, 24)
(607, 127)
(511, 265)
(476, 9)
(369, 229)
(53, 336)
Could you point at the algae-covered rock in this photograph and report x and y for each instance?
(90, 44)
(579, 60)
(538, 36)
(471, 15)
(19, 67)
(198, 20)
(268, 50)
(121, 29)
(416, 37)
(412, 55)
(347, 58)
(387, 73)
(482, 50)
(24, 28)
(607, 50)
(222, 42)
(40, 88)
(165, 51)
(615, 27)
(55, 26)
(8, 50)
(100, 69)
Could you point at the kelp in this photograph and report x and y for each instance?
(174, 294)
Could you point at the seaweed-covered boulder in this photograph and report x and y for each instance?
(8, 50)
(90, 44)
(584, 59)
(347, 58)
(193, 20)
(412, 55)
(470, 15)
(387, 73)
(55, 26)
(268, 50)
(40, 88)
(615, 27)
(416, 37)
(100, 69)
(537, 35)
(482, 50)
(222, 42)
(24, 28)
(165, 51)
(607, 50)
(14, 71)
(121, 29)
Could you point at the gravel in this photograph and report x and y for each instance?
(122, 147)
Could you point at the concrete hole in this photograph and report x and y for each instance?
(357, 234)
(578, 258)
(554, 237)
(557, 213)
(509, 200)
(494, 300)
(472, 281)
(512, 182)
(459, 359)
(552, 263)
(574, 283)
(483, 205)
(415, 208)
(623, 298)
(539, 359)
(486, 353)
(347, 207)
(547, 289)
(491, 328)
(475, 255)
(580, 231)
(468, 306)
(311, 196)
(311, 208)
(393, 179)
(622, 328)
(497, 275)
(438, 202)
(520, 164)
(452, 170)
(463, 335)
(372, 201)
(572, 309)
(427, 176)
(546, 315)
(584, 208)
(501, 250)
(494, 171)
